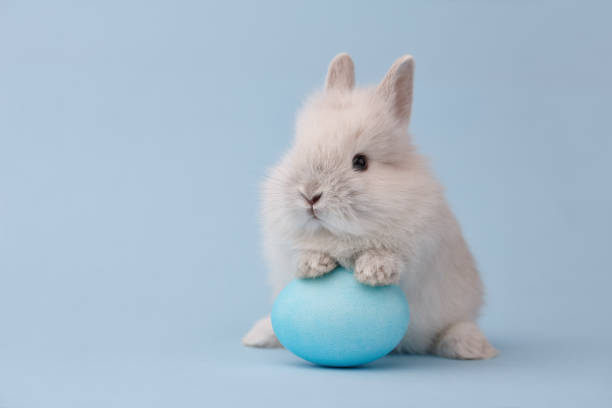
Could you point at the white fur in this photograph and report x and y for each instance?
(390, 223)
(261, 335)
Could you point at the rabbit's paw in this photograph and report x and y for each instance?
(311, 264)
(377, 268)
(464, 341)
(261, 335)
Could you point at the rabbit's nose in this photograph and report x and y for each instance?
(312, 200)
(315, 198)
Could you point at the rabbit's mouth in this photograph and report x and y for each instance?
(312, 213)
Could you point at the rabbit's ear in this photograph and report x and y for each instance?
(341, 73)
(396, 87)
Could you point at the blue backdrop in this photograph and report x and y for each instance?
(133, 137)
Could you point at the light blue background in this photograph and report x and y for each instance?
(133, 136)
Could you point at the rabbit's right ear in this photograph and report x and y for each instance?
(396, 87)
(341, 74)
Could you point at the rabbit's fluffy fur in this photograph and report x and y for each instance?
(390, 223)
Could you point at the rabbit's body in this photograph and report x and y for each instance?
(353, 191)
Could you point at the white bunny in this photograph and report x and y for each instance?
(354, 191)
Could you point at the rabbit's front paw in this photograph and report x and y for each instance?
(377, 268)
(311, 264)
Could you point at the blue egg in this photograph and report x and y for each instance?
(336, 321)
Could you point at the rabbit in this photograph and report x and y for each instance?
(354, 191)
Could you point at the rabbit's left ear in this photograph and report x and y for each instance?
(396, 87)
(341, 73)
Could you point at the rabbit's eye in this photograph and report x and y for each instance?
(360, 162)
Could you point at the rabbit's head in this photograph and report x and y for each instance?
(352, 169)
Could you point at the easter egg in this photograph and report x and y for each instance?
(334, 320)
